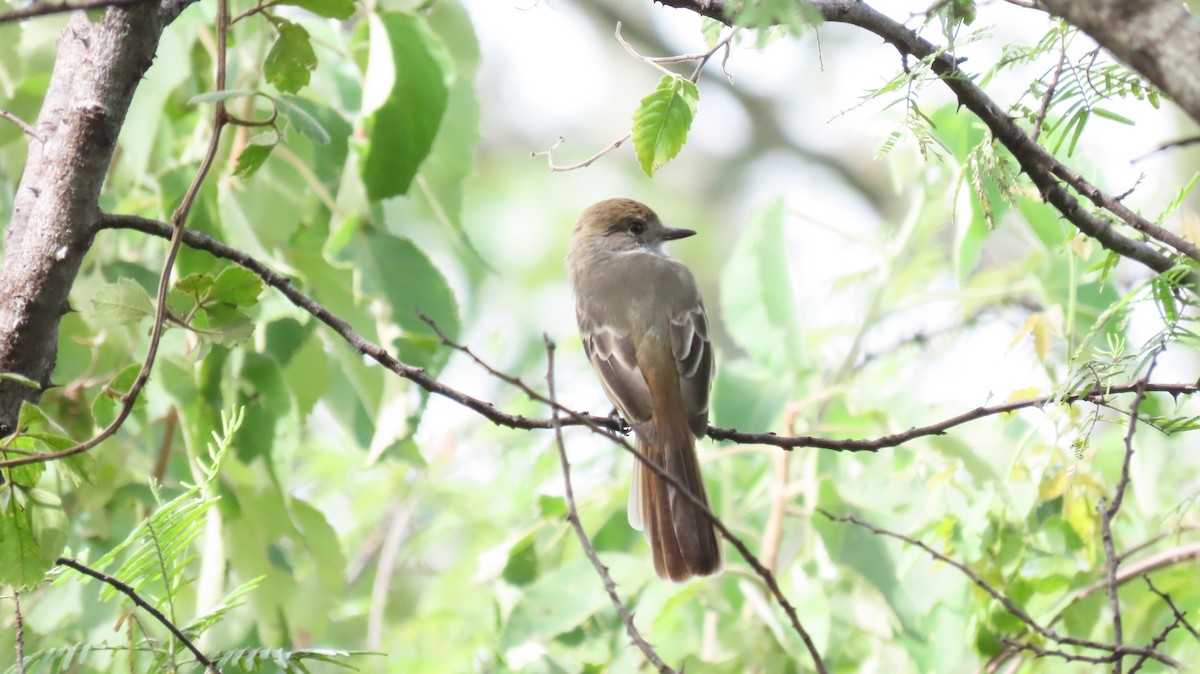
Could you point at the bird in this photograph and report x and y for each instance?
(644, 329)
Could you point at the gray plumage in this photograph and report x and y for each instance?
(644, 329)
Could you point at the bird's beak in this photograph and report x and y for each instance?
(671, 234)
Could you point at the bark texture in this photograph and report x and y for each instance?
(56, 208)
(1158, 38)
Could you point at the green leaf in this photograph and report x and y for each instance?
(196, 285)
(32, 535)
(237, 286)
(711, 29)
(1108, 114)
(225, 325)
(20, 379)
(563, 599)
(404, 98)
(160, 542)
(332, 9)
(290, 62)
(305, 123)
(252, 158)
(107, 401)
(438, 187)
(757, 302)
(396, 271)
(124, 301)
(662, 121)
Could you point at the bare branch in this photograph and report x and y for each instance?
(23, 126)
(1180, 616)
(1095, 394)
(573, 517)
(137, 599)
(1042, 168)
(1046, 98)
(1112, 561)
(19, 635)
(49, 7)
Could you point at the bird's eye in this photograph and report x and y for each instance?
(637, 228)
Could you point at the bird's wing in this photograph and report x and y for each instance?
(694, 359)
(613, 356)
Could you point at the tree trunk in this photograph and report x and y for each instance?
(56, 207)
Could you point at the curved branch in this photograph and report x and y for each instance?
(1095, 394)
(128, 591)
(1042, 168)
(488, 410)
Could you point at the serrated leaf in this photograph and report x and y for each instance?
(333, 9)
(225, 325)
(251, 159)
(305, 123)
(237, 286)
(32, 534)
(290, 62)
(662, 121)
(404, 99)
(196, 285)
(124, 301)
(711, 30)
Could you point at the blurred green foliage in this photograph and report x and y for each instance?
(295, 507)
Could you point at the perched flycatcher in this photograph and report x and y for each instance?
(645, 331)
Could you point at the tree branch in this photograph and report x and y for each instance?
(573, 517)
(1158, 38)
(137, 599)
(49, 7)
(1042, 168)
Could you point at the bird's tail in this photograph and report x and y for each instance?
(682, 539)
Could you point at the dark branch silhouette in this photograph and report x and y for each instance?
(1043, 169)
(573, 517)
(128, 591)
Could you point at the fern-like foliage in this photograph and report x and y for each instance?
(282, 660)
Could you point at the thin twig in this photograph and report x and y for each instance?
(764, 574)
(137, 599)
(573, 517)
(1041, 652)
(1154, 644)
(1094, 394)
(655, 61)
(1008, 604)
(1175, 144)
(23, 126)
(19, 636)
(178, 222)
(1050, 88)
(51, 7)
(1112, 561)
(1181, 616)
